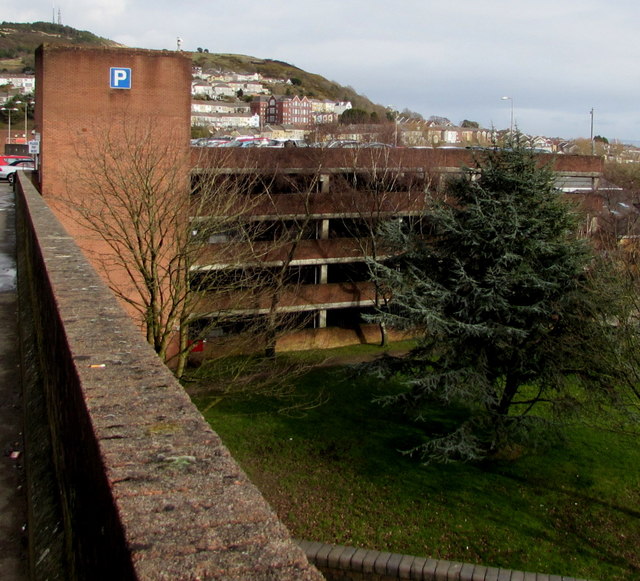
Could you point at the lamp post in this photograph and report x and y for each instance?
(20, 103)
(511, 124)
(395, 140)
(593, 145)
(9, 109)
(394, 112)
(27, 104)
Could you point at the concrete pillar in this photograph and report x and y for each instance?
(324, 273)
(324, 229)
(324, 183)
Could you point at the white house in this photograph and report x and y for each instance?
(199, 87)
(341, 106)
(255, 88)
(24, 83)
(225, 120)
(223, 90)
(226, 107)
(247, 77)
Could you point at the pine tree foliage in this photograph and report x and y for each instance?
(507, 302)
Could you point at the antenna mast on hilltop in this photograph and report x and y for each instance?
(53, 16)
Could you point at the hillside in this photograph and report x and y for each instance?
(306, 84)
(18, 42)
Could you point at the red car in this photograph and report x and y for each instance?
(8, 171)
(9, 159)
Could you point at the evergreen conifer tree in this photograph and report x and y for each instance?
(505, 298)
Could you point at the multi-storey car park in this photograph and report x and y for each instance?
(311, 218)
(295, 257)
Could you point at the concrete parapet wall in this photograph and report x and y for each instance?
(147, 490)
(437, 160)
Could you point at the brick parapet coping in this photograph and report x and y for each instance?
(340, 563)
(147, 489)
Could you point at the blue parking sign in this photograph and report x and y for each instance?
(120, 78)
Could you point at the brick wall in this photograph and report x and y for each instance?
(74, 100)
(147, 489)
(84, 122)
(426, 159)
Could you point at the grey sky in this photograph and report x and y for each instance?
(557, 59)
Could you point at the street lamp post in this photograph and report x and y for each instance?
(9, 109)
(593, 145)
(392, 110)
(25, 107)
(511, 123)
(27, 104)
(396, 131)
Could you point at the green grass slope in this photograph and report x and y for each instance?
(328, 461)
(18, 41)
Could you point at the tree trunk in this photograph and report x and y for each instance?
(183, 352)
(383, 334)
(510, 391)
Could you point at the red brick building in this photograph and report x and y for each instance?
(77, 97)
(288, 111)
(108, 102)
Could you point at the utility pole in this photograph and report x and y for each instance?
(593, 145)
(511, 119)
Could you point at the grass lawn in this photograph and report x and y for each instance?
(332, 471)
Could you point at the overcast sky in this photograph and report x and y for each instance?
(556, 59)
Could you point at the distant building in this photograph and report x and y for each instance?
(200, 106)
(20, 82)
(225, 120)
(259, 107)
(288, 111)
(200, 87)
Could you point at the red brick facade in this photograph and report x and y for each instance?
(74, 97)
(80, 118)
(288, 111)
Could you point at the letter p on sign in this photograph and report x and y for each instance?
(120, 78)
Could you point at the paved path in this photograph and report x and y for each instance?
(13, 561)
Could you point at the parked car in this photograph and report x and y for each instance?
(376, 145)
(8, 172)
(9, 159)
(343, 143)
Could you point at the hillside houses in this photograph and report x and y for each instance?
(266, 108)
(16, 84)
(218, 121)
(269, 110)
(220, 85)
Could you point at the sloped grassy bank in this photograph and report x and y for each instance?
(328, 461)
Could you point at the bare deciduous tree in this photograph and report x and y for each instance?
(146, 227)
(377, 191)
